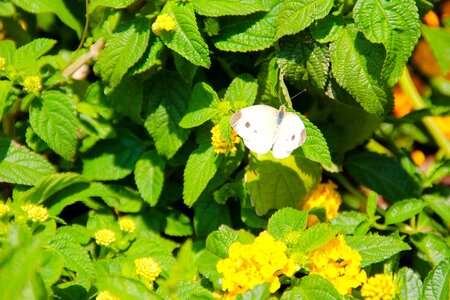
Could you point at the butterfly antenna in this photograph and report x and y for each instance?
(304, 90)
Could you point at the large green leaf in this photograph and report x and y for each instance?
(185, 39)
(20, 165)
(396, 24)
(439, 41)
(432, 247)
(403, 210)
(149, 176)
(201, 106)
(355, 65)
(218, 8)
(436, 285)
(53, 118)
(285, 221)
(242, 91)
(29, 53)
(109, 3)
(408, 284)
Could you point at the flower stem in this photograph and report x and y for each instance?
(408, 87)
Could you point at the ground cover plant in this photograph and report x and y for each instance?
(122, 178)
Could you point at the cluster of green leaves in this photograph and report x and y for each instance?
(134, 139)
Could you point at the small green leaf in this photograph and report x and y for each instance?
(27, 55)
(312, 287)
(304, 12)
(109, 3)
(185, 39)
(440, 205)
(201, 166)
(53, 118)
(178, 224)
(149, 176)
(285, 221)
(201, 106)
(376, 248)
(5, 86)
(315, 237)
(123, 199)
(436, 285)
(438, 172)
(408, 283)
(242, 91)
(347, 222)
(260, 291)
(218, 8)
(20, 165)
(150, 58)
(126, 288)
(220, 240)
(403, 210)
(439, 40)
(123, 50)
(432, 247)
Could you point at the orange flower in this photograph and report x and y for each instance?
(431, 19)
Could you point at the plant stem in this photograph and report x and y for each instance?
(408, 87)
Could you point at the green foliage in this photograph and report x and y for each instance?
(114, 181)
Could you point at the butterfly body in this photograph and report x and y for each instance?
(262, 128)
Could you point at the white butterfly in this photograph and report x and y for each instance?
(262, 128)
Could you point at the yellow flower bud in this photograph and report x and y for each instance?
(127, 225)
(147, 268)
(163, 23)
(105, 237)
(36, 213)
(32, 84)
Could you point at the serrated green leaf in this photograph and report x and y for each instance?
(220, 240)
(440, 205)
(403, 210)
(282, 183)
(201, 166)
(305, 63)
(149, 176)
(126, 288)
(432, 247)
(218, 8)
(127, 98)
(201, 106)
(254, 32)
(29, 53)
(51, 6)
(53, 118)
(123, 50)
(20, 165)
(408, 283)
(178, 224)
(439, 41)
(436, 285)
(123, 199)
(396, 24)
(185, 39)
(328, 29)
(355, 65)
(150, 58)
(315, 237)
(382, 174)
(304, 12)
(52, 265)
(376, 248)
(185, 68)
(209, 216)
(109, 3)
(285, 221)
(5, 86)
(348, 221)
(312, 287)
(260, 291)
(438, 172)
(242, 91)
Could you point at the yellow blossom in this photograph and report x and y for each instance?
(105, 237)
(2, 63)
(106, 295)
(339, 264)
(326, 196)
(379, 287)
(4, 209)
(32, 84)
(163, 22)
(219, 143)
(36, 213)
(251, 264)
(127, 224)
(444, 125)
(147, 268)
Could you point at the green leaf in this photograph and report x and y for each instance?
(282, 183)
(185, 39)
(123, 199)
(305, 63)
(208, 216)
(260, 291)
(126, 288)
(185, 68)
(376, 248)
(201, 106)
(109, 3)
(432, 247)
(168, 97)
(439, 41)
(242, 91)
(19, 165)
(304, 12)
(315, 237)
(403, 210)
(7, 9)
(396, 24)
(355, 65)
(201, 166)
(123, 50)
(440, 205)
(5, 86)
(27, 55)
(51, 6)
(251, 33)
(52, 265)
(436, 285)
(382, 174)
(8, 51)
(220, 240)
(285, 221)
(328, 29)
(53, 118)
(218, 8)
(408, 283)
(149, 176)
(178, 224)
(438, 172)
(150, 58)
(347, 222)
(312, 287)
(127, 98)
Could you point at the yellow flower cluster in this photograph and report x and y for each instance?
(127, 224)
(105, 237)
(2, 63)
(106, 295)
(36, 213)
(379, 287)
(163, 23)
(338, 263)
(4, 209)
(147, 268)
(32, 84)
(252, 264)
(326, 196)
(219, 143)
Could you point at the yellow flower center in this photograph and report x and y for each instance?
(163, 23)
(36, 213)
(32, 84)
(4, 209)
(147, 268)
(127, 225)
(105, 237)
(106, 295)
(219, 143)
(326, 196)
(379, 287)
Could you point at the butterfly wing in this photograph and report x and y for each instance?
(257, 126)
(291, 135)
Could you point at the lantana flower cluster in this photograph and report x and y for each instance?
(219, 143)
(326, 196)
